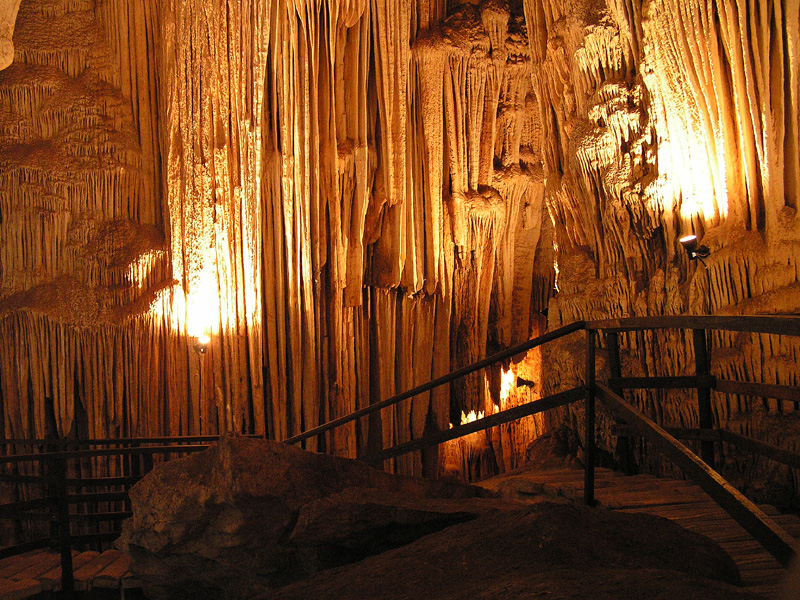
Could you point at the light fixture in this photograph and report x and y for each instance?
(201, 343)
(689, 242)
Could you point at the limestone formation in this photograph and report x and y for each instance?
(351, 197)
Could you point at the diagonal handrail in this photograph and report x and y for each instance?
(498, 418)
(434, 383)
(760, 526)
(774, 324)
(769, 534)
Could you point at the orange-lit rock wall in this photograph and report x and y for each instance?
(352, 197)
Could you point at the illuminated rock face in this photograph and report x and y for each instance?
(8, 15)
(352, 197)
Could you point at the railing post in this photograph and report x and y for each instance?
(58, 481)
(705, 417)
(589, 445)
(623, 450)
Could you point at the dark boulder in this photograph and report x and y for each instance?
(248, 515)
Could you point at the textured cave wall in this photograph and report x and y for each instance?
(671, 118)
(352, 197)
(348, 208)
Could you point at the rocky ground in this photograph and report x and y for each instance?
(257, 519)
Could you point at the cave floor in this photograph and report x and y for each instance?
(678, 500)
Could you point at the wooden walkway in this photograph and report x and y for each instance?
(678, 500)
(39, 571)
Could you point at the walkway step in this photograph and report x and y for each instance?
(39, 571)
(17, 590)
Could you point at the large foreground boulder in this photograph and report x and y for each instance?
(250, 518)
(248, 515)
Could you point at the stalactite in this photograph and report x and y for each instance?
(354, 196)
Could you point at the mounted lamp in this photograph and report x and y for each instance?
(689, 243)
(201, 343)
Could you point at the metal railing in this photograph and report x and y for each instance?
(98, 503)
(774, 539)
(135, 455)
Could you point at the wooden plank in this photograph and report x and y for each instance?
(102, 481)
(102, 452)
(119, 441)
(685, 493)
(21, 564)
(786, 457)
(46, 562)
(649, 503)
(14, 509)
(17, 590)
(88, 572)
(111, 576)
(753, 324)
(98, 497)
(130, 582)
(506, 416)
(12, 560)
(51, 581)
(761, 390)
(95, 538)
(662, 383)
(102, 516)
(777, 542)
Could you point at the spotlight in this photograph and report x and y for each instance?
(201, 343)
(689, 242)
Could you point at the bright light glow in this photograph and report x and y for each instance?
(687, 238)
(203, 340)
(507, 383)
(471, 417)
(202, 313)
(555, 265)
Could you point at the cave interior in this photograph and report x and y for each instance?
(253, 217)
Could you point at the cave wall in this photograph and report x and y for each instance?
(672, 118)
(352, 197)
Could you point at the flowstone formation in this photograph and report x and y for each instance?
(351, 197)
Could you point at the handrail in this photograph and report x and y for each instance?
(452, 376)
(770, 535)
(747, 323)
(780, 544)
(112, 441)
(58, 498)
(44, 456)
(498, 418)
(763, 529)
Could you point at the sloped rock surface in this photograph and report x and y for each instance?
(247, 515)
(549, 551)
